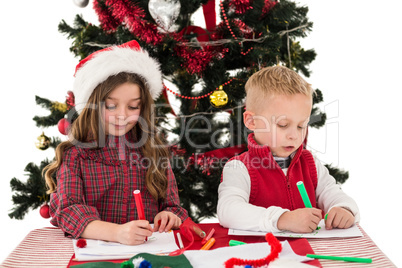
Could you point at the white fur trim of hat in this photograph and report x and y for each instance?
(97, 67)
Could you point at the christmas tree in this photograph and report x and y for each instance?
(204, 74)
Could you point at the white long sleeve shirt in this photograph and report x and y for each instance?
(235, 211)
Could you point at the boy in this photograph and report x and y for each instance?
(258, 189)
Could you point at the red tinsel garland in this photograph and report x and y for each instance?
(276, 248)
(125, 12)
(195, 60)
(106, 19)
(133, 16)
(241, 6)
(268, 5)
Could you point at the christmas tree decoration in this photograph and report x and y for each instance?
(240, 6)
(63, 125)
(81, 3)
(61, 107)
(268, 5)
(44, 211)
(54, 116)
(70, 100)
(43, 142)
(219, 98)
(164, 12)
(114, 12)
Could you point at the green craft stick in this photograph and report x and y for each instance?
(351, 259)
(304, 195)
(326, 216)
(236, 243)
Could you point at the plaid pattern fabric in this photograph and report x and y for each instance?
(98, 184)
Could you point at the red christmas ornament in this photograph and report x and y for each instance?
(63, 126)
(81, 243)
(44, 211)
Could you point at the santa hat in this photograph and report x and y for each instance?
(98, 66)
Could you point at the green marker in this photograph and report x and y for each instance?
(326, 216)
(304, 195)
(351, 259)
(236, 243)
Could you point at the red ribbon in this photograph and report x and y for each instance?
(210, 15)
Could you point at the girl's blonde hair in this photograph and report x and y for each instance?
(86, 128)
(274, 81)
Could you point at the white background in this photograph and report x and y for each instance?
(357, 69)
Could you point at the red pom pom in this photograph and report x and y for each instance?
(44, 211)
(81, 243)
(63, 126)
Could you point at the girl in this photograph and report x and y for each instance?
(113, 150)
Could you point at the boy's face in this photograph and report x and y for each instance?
(281, 123)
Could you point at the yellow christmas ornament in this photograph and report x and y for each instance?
(219, 98)
(62, 107)
(43, 142)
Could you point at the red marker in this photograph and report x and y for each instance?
(140, 206)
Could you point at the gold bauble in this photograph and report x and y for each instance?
(43, 142)
(58, 106)
(219, 98)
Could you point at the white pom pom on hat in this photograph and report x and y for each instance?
(98, 66)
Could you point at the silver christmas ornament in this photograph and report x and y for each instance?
(81, 3)
(164, 12)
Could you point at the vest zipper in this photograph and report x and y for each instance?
(289, 193)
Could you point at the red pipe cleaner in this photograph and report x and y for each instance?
(276, 248)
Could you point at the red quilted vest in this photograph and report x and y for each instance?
(269, 185)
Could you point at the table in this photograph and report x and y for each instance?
(48, 247)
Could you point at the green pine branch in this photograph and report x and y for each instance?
(50, 120)
(30, 194)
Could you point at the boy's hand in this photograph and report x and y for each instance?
(339, 218)
(165, 221)
(302, 220)
(134, 232)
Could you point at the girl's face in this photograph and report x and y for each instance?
(122, 109)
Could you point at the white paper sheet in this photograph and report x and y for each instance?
(353, 231)
(158, 243)
(217, 257)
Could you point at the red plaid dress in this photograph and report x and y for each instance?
(98, 184)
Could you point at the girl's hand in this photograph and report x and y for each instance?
(302, 220)
(339, 218)
(164, 221)
(134, 232)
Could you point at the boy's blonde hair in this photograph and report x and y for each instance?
(273, 81)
